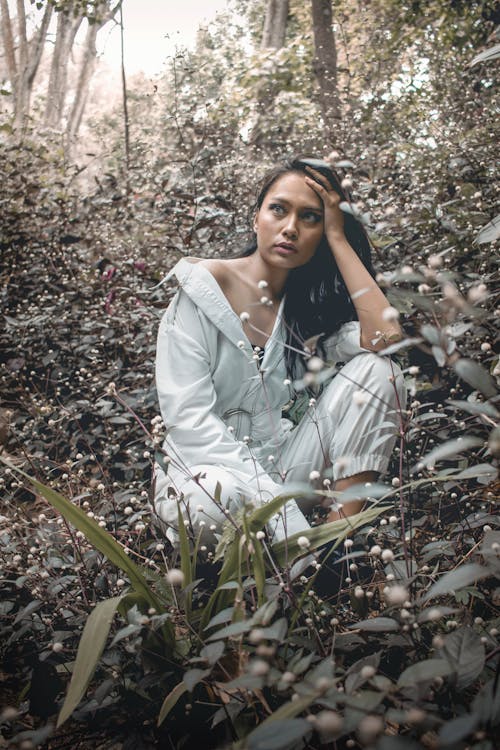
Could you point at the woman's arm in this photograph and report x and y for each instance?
(373, 310)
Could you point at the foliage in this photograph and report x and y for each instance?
(405, 653)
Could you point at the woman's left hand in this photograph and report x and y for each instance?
(333, 217)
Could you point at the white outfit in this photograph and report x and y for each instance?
(223, 412)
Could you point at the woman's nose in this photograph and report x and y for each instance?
(290, 228)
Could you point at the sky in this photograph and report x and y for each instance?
(152, 30)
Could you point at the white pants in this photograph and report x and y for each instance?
(351, 429)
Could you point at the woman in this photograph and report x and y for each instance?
(233, 341)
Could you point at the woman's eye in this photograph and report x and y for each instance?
(311, 217)
(277, 209)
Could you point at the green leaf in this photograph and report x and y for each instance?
(489, 551)
(457, 729)
(265, 614)
(170, 702)
(486, 704)
(185, 559)
(398, 743)
(486, 471)
(125, 632)
(475, 375)
(457, 579)
(428, 615)
(354, 678)
(229, 586)
(449, 449)
(431, 334)
(225, 615)
(376, 625)
(90, 648)
(465, 652)
(213, 652)
(400, 345)
(259, 570)
(281, 735)
(289, 549)
(286, 711)
(423, 671)
(236, 628)
(276, 631)
(258, 519)
(26, 612)
(193, 676)
(475, 407)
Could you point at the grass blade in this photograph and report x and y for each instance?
(185, 559)
(289, 549)
(170, 702)
(90, 648)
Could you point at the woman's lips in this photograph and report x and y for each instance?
(285, 249)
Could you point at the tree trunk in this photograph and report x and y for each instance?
(23, 58)
(274, 31)
(67, 27)
(23, 70)
(22, 98)
(273, 37)
(8, 45)
(87, 67)
(37, 44)
(325, 65)
(126, 128)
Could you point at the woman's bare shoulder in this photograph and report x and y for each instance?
(223, 270)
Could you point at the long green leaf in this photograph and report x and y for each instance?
(259, 572)
(475, 375)
(98, 537)
(221, 599)
(449, 449)
(185, 559)
(289, 548)
(258, 519)
(92, 642)
(259, 568)
(170, 701)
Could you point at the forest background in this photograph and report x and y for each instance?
(101, 194)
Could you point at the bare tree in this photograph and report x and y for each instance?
(22, 68)
(23, 55)
(67, 28)
(104, 14)
(273, 37)
(125, 102)
(87, 67)
(325, 65)
(275, 22)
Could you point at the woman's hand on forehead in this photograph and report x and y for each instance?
(333, 217)
(319, 178)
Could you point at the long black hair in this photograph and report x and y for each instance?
(317, 302)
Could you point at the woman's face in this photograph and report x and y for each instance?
(289, 224)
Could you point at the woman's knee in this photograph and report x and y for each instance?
(378, 376)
